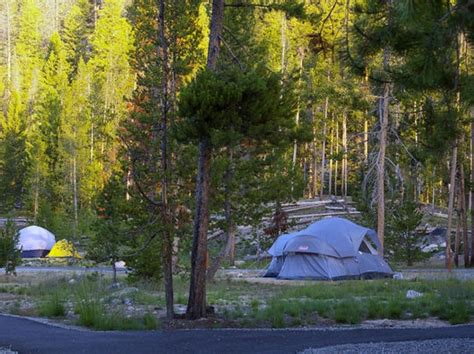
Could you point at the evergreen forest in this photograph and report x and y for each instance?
(137, 129)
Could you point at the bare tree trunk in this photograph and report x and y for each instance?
(74, 195)
(229, 246)
(454, 164)
(472, 187)
(197, 291)
(383, 114)
(283, 42)
(336, 165)
(366, 141)
(344, 159)
(331, 152)
(383, 119)
(228, 211)
(128, 183)
(314, 161)
(167, 235)
(36, 198)
(457, 238)
(464, 216)
(452, 189)
(323, 147)
(9, 44)
(91, 152)
(297, 118)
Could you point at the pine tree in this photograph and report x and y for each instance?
(112, 43)
(47, 167)
(13, 162)
(76, 33)
(79, 189)
(10, 255)
(19, 116)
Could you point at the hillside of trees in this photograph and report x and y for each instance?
(134, 127)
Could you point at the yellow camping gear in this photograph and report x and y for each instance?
(63, 249)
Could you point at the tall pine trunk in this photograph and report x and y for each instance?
(472, 187)
(331, 151)
(9, 44)
(167, 252)
(323, 146)
(314, 160)
(454, 161)
(336, 164)
(75, 195)
(457, 237)
(197, 291)
(462, 195)
(452, 189)
(229, 246)
(383, 117)
(298, 109)
(345, 169)
(366, 141)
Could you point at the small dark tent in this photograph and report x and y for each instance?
(330, 249)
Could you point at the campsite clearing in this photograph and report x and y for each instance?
(90, 300)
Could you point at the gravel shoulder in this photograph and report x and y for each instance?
(449, 345)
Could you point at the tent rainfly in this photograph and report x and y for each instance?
(35, 242)
(329, 249)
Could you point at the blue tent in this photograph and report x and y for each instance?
(276, 251)
(331, 248)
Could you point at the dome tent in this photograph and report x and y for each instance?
(276, 251)
(329, 249)
(35, 242)
(63, 249)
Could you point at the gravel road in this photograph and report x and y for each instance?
(26, 336)
(449, 345)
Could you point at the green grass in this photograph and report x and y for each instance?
(351, 302)
(348, 311)
(52, 305)
(257, 305)
(89, 296)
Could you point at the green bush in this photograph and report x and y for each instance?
(10, 255)
(277, 320)
(375, 309)
(348, 312)
(395, 308)
(455, 312)
(52, 306)
(91, 313)
(149, 321)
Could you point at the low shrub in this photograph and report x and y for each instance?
(348, 312)
(52, 305)
(375, 309)
(395, 308)
(150, 322)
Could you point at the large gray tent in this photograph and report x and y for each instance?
(331, 248)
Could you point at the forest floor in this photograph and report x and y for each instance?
(240, 300)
